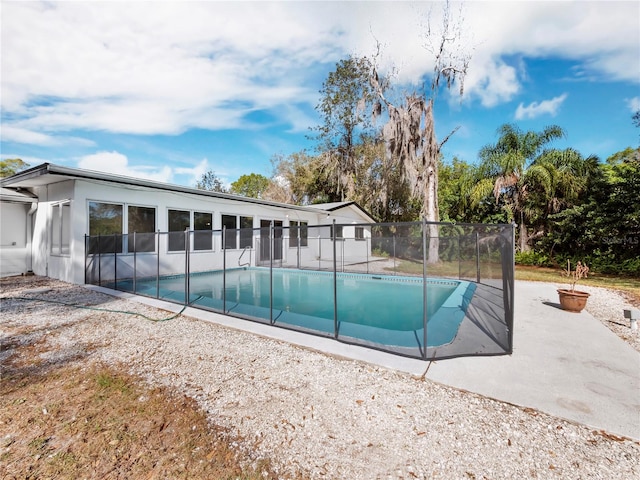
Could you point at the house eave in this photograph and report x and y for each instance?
(48, 173)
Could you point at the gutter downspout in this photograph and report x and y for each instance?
(32, 210)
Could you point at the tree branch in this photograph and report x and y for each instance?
(448, 137)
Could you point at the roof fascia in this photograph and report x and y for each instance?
(351, 204)
(48, 168)
(36, 171)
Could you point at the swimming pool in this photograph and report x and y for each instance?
(380, 310)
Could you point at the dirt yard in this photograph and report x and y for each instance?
(65, 418)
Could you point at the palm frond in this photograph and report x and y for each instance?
(481, 191)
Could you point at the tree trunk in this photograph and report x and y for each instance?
(431, 212)
(430, 153)
(524, 237)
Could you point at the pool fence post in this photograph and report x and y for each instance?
(158, 264)
(319, 249)
(367, 252)
(459, 258)
(299, 232)
(394, 253)
(271, 250)
(86, 255)
(335, 282)
(477, 257)
(186, 266)
(424, 287)
(511, 284)
(224, 269)
(99, 261)
(135, 265)
(115, 261)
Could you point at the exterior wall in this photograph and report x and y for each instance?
(13, 238)
(60, 265)
(58, 244)
(148, 264)
(349, 248)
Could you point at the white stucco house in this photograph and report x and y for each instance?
(48, 211)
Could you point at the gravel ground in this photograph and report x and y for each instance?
(606, 306)
(316, 415)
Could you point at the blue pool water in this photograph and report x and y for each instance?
(377, 309)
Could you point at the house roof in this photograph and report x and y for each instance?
(10, 195)
(333, 206)
(49, 173)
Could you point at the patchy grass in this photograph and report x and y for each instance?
(92, 421)
(406, 266)
(629, 286)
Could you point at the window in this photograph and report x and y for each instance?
(61, 228)
(338, 231)
(246, 232)
(359, 233)
(298, 230)
(230, 223)
(142, 222)
(105, 220)
(293, 234)
(179, 221)
(202, 224)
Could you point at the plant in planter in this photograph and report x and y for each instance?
(574, 300)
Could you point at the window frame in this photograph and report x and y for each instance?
(61, 229)
(176, 241)
(339, 233)
(230, 241)
(199, 238)
(298, 229)
(147, 246)
(243, 231)
(96, 247)
(121, 247)
(240, 240)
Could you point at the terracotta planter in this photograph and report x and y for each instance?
(572, 301)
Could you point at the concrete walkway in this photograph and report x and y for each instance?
(564, 364)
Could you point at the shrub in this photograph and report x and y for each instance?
(532, 258)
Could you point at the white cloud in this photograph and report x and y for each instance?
(23, 135)
(601, 35)
(536, 109)
(136, 69)
(193, 174)
(166, 67)
(634, 104)
(27, 136)
(117, 163)
(493, 82)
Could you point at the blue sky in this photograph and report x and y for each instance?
(169, 90)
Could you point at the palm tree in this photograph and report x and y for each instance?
(556, 181)
(561, 176)
(504, 167)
